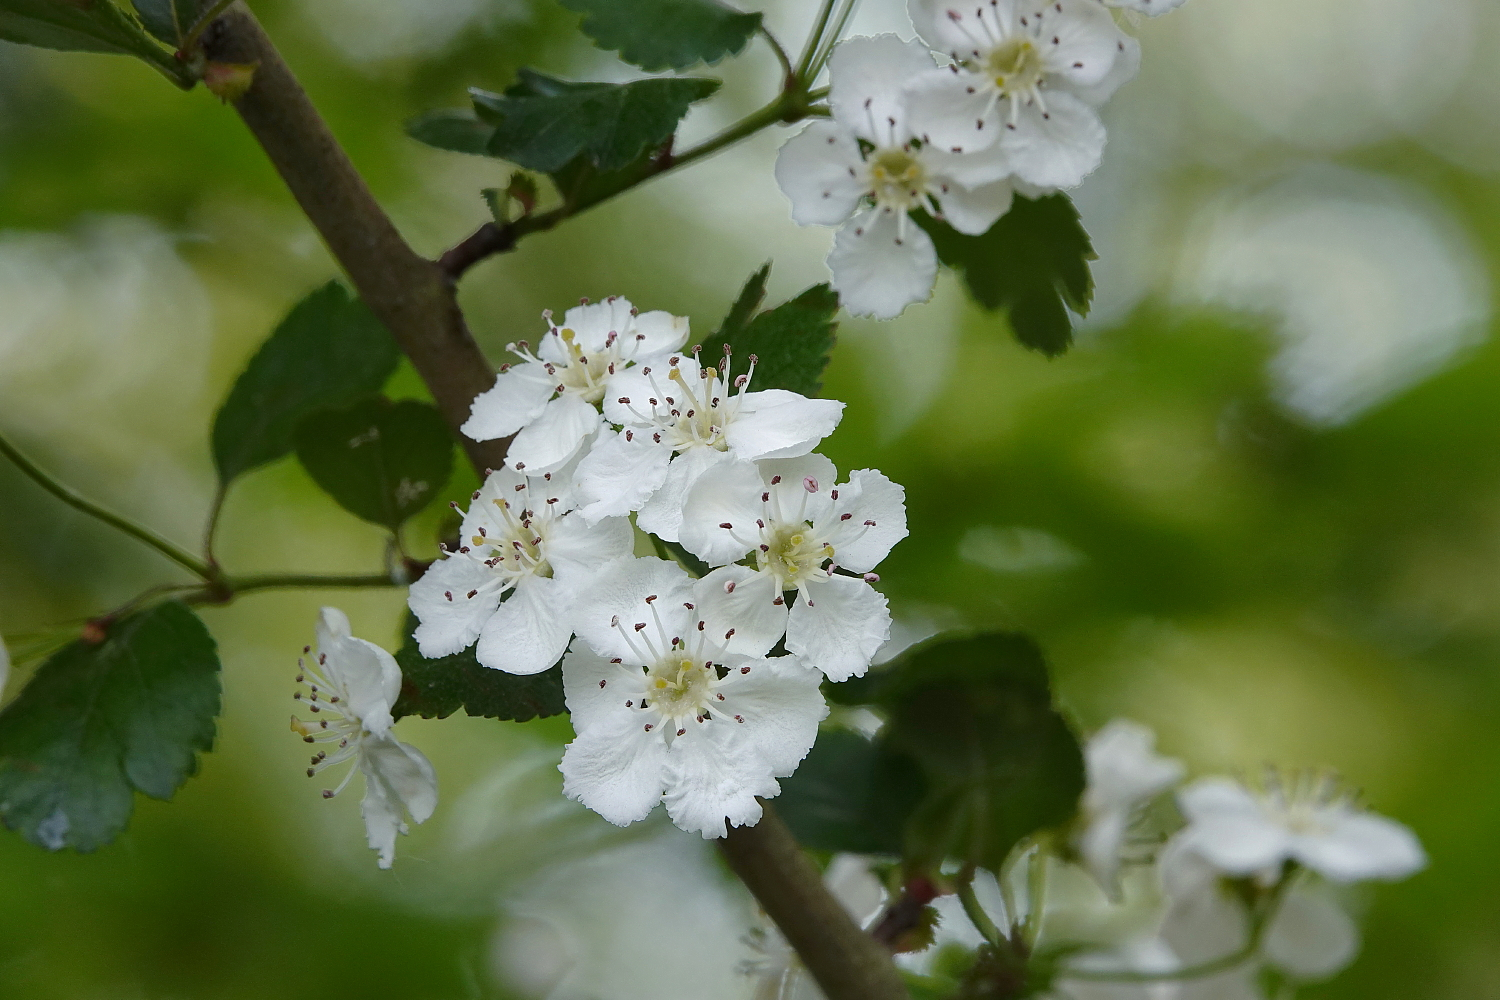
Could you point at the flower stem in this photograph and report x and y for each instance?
(781, 56)
(839, 24)
(68, 496)
(814, 41)
(975, 912)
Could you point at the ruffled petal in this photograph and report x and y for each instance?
(406, 773)
(528, 633)
(517, 398)
(450, 620)
(632, 386)
(382, 816)
(620, 591)
(368, 674)
(596, 689)
(781, 703)
(548, 442)
(1079, 42)
(615, 768)
(662, 514)
(1361, 845)
(659, 332)
(593, 322)
(882, 263)
(617, 476)
(749, 607)
(866, 76)
(712, 778)
(577, 549)
(730, 496)
(953, 112)
(840, 629)
(868, 496)
(775, 423)
(822, 173)
(1058, 148)
(975, 210)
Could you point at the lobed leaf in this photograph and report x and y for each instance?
(381, 461)
(100, 721)
(329, 351)
(435, 689)
(791, 342)
(1034, 262)
(851, 795)
(666, 34)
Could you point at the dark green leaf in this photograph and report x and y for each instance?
(1033, 262)
(74, 25)
(435, 689)
(666, 34)
(851, 795)
(381, 461)
(168, 20)
(544, 124)
(453, 129)
(100, 721)
(328, 352)
(791, 342)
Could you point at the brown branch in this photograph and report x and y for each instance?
(486, 241)
(411, 295)
(846, 962)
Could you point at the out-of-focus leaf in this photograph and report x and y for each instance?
(435, 689)
(74, 25)
(328, 352)
(745, 307)
(1034, 263)
(456, 129)
(544, 124)
(851, 795)
(666, 34)
(102, 720)
(791, 342)
(168, 20)
(381, 461)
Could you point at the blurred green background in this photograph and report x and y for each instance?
(1257, 507)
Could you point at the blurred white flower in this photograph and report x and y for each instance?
(1151, 8)
(549, 401)
(800, 531)
(351, 688)
(1124, 773)
(862, 172)
(663, 712)
(518, 539)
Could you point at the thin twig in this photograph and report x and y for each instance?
(814, 41)
(781, 56)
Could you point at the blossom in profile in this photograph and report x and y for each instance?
(351, 687)
(1124, 773)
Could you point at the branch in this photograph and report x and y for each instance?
(410, 295)
(846, 962)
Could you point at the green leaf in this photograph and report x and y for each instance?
(851, 795)
(791, 342)
(100, 721)
(666, 34)
(381, 461)
(435, 689)
(1033, 262)
(72, 25)
(455, 129)
(168, 20)
(544, 124)
(1000, 762)
(328, 352)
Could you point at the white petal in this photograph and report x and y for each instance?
(577, 549)
(841, 628)
(1217, 797)
(1229, 829)
(516, 399)
(950, 27)
(593, 322)
(775, 423)
(548, 442)
(868, 496)
(405, 771)
(781, 704)
(973, 169)
(1127, 64)
(596, 690)
(750, 609)
(881, 266)
(792, 472)
(954, 112)
(618, 476)
(528, 633)
(1099, 844)
(659, 332)
(731, 495)
(1361, 846)
(1124, 768)
(632, 384)
(662, 514)
(483, 510)
(975, 210)
(615, 768)
(368, 674)
(620, 591)
(1057, 150)
(450, 619)
(865, 77)
(1149, 7)
(1079, 43)
(822, 173)
(382, 816)
(712, 778)
(1311, 936)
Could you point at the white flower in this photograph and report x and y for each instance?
(663, 712)
(551, 397)
(1026, 78)
(690, 415)
(351, 689)
(799, 531)
(862, 171)
(1124, 773)
(518, 538)
(1241, 832)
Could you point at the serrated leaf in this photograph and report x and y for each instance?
(168, 20)
(791, 342)
(851, 795)
(1034, 262)
(99, 722)
(435, 689)
(457, 130)
(666, 34)
(329, 351)
(72, 25)
(381, 461)
(544, 124)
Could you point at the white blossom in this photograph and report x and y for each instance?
(1309, 820)
(680, 421)
(864, 172)
(800, 532)
(1124, 773)
(1026, 77)
(550, 399)
(663, 712)
(352, 686)
(522, 556)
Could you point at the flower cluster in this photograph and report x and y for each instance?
(699, 693)
(1012, 108)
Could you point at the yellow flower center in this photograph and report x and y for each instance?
(896, 178)
(1015, 65)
